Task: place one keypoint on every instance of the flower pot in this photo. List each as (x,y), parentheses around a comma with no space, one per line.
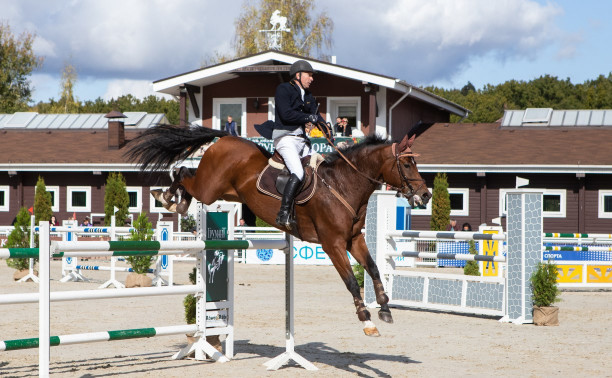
(546,316)
(138,280)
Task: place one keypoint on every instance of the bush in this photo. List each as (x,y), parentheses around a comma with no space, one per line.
(190,301)
(115,195)
(20,238)
(142,231)
(359,273)
(440,203)
(544,285)
(471,267)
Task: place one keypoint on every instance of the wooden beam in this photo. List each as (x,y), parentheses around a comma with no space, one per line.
(191,91)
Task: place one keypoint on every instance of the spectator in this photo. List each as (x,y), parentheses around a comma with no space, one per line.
(338,127)
(230,126)
(53,221)
(347,128)
(452,226)
(86,222)
(466,227)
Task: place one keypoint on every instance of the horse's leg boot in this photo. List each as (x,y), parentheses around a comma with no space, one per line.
(284,214)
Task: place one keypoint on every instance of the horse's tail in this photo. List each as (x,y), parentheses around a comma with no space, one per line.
(160,146)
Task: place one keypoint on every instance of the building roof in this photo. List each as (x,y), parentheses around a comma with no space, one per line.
(489,147)
(547,117)
(274,59)
(35,121)
(444,147)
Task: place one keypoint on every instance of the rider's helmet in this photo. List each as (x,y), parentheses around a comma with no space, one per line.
(300,66)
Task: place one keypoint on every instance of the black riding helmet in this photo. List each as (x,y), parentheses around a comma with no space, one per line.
(300,66)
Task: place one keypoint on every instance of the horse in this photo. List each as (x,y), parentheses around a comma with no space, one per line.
(333,217)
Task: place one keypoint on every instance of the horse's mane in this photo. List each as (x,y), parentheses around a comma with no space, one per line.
(365,144)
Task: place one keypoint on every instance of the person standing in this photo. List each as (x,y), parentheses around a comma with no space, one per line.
(230,126)
(295,110)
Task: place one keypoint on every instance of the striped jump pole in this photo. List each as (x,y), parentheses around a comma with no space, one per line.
(457,235)
(576,236)
(578,249)
(449,256)
(108,268)
(81,338)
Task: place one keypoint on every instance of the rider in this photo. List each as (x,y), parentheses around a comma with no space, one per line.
(295,110)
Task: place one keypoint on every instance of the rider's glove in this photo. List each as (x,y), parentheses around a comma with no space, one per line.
(311,118)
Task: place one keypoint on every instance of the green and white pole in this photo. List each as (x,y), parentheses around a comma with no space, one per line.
(81,338)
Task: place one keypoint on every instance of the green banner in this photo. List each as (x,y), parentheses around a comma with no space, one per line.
(216,259)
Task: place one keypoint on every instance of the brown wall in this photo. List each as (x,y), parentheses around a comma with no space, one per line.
(23,186)
(484,213)
(409,112)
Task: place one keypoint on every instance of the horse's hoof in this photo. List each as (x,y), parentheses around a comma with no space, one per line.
(385,316)
(171,207)
(373,332)
(158,195)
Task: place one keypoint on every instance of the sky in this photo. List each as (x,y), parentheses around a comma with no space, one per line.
(122,46)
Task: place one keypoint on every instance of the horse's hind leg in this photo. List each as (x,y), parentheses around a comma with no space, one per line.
(360,252)
(166,197)
(338,256)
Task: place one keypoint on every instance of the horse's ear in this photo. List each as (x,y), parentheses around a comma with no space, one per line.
(406,143)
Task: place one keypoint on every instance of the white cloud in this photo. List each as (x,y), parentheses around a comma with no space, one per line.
(137,88)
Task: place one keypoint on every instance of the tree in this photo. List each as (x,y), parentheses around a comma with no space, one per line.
(471,268)
(20,238)
(310,34)
(67,103)
(440,206)
(142,231)
(42,202)
(17,61)
(115,195)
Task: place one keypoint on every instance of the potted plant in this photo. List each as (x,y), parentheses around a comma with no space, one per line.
(545,293)
(140,264)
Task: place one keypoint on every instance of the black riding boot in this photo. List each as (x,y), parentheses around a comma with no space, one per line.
(284,214)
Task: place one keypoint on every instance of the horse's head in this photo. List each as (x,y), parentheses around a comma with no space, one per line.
(404,175)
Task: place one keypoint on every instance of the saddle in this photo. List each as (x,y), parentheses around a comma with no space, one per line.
(274,177)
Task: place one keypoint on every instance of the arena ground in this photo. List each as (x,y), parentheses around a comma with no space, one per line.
(419,343)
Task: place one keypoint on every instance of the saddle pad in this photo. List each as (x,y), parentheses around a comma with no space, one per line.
(266,182)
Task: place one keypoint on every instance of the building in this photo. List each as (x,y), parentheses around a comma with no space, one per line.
(244,88)
(567,153)
(74,154)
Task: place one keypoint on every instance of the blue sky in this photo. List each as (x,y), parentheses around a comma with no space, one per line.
(121,47)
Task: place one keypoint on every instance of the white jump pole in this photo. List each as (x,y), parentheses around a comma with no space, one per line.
(44,301)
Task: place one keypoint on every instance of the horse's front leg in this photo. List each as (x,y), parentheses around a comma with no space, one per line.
(337,254)
(360,252)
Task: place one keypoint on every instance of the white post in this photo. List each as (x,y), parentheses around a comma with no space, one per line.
(289,353)
(113,280)
(44,301)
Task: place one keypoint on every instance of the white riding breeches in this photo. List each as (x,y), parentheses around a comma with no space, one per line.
(292,148)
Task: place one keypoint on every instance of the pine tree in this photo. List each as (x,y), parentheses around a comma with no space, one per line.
(20,238)
(115,195)
(471,267)
(440,205)
(42,202)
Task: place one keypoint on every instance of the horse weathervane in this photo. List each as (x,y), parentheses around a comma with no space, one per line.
(274,36)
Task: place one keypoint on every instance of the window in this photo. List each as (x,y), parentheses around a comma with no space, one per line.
(459,201)
(78,198)
(4,198)
(155,206)
(235,107)
(553,202)
(135,194)
(605,203)
(349,107)
(55,197)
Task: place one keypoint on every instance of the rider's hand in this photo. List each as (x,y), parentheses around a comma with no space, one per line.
(312,118)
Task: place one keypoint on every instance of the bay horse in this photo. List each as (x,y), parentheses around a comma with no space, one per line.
(229,170)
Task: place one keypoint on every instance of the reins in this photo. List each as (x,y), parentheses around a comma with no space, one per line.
(405,180)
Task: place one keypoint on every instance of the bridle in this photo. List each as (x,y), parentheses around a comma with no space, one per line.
(406,181)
